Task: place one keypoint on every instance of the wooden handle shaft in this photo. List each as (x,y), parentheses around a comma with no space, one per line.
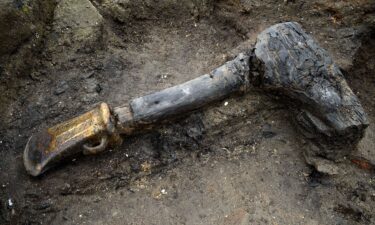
(175,101)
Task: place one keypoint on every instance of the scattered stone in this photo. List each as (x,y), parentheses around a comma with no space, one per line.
(146,167)
(268,134)
(267,131)
(92,86)
(157,194)
(61,88)
(77,25)
(10,203)
(98,88)
(322,165)
(66,190)
(88,75)
(43,205)
(90,97)
(35,76)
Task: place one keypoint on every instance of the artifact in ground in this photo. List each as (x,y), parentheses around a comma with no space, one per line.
(285,61)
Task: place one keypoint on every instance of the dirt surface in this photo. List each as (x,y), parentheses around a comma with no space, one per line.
(236,162)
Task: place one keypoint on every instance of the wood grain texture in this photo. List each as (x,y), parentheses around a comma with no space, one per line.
(175,101)
(285,61)
(296,67)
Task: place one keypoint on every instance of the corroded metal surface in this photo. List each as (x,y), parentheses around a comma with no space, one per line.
(65,139)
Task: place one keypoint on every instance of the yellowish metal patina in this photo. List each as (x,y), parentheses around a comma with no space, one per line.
(96,127)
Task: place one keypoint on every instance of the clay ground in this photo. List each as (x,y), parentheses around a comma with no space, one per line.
(234,163)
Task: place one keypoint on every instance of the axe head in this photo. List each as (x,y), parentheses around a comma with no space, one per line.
(51,145)
(297,68)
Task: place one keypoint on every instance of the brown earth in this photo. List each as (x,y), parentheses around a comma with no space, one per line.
(234,163)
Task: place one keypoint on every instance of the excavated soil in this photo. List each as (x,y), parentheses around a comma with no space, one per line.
(235,162)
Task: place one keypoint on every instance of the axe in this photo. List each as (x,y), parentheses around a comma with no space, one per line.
(285,61)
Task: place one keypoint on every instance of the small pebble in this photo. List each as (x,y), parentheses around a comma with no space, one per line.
(10,203)
(61,88)
(225,103)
